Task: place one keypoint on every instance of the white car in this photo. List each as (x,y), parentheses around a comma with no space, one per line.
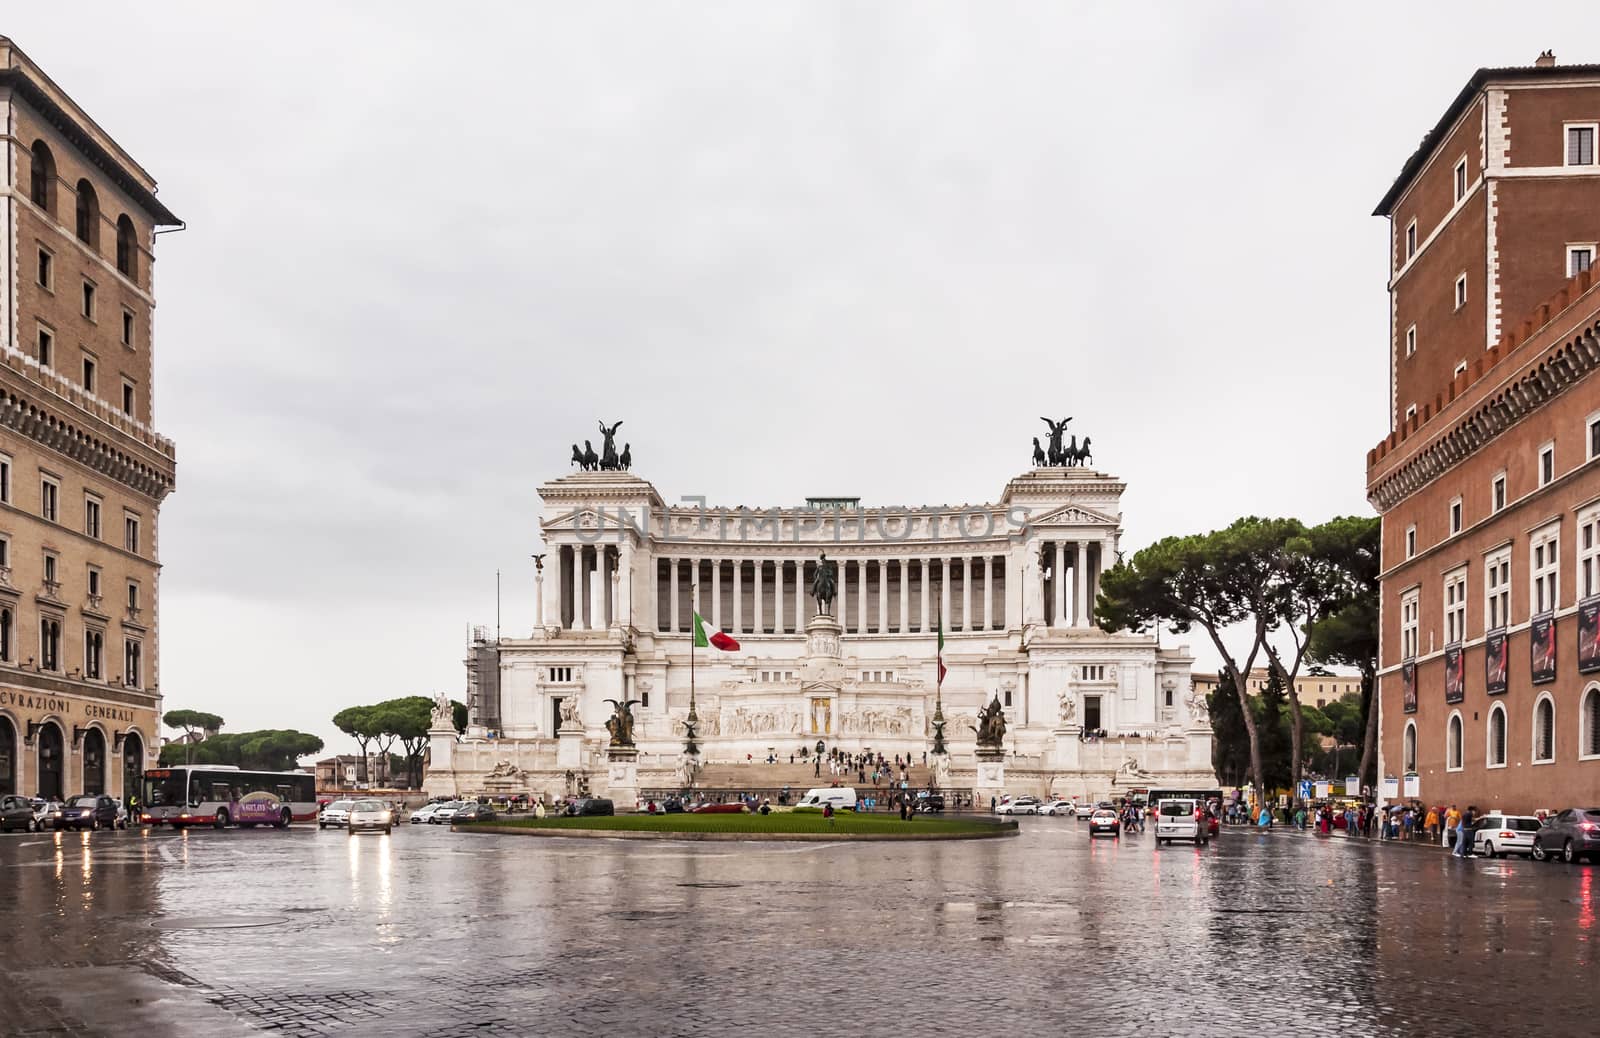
(445,812)
(1056,808)
(1496,835)
(369,814)
(1085,810)
(336,813)
(1176,820)
(424,813)
(1019,806)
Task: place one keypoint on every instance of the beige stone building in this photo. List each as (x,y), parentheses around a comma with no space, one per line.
(82,470)
(1314,690)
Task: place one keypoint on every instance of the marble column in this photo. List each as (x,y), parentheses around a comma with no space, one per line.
(799,595)
(1080,613)
(1059,580)
(988,592)
(694,591)
(966,593)
(597,589)
(944,591)
(738,596)
(884,595)
(716,594)
(622,607)
(755,597)
(905,601)
(777,596)
(672,622)
(864,579)
(922,618)
(580,588)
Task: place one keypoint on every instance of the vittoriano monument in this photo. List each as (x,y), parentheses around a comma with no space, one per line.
(620,724)
(608,459)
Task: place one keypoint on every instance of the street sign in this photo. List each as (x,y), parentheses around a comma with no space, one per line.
(1305,789)
(1352,786)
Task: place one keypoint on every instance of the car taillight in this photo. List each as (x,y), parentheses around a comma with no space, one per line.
(1508,836)
(1590,825)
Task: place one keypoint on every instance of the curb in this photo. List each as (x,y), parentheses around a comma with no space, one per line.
(1000,831)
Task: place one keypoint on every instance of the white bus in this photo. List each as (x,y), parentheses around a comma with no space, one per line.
(219,795)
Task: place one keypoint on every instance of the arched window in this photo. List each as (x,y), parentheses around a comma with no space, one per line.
(88,214)
(1591,722)
(1452,754)
(1411,746)
(1544,730)
(1497,736)
(127,247)
(49,644)
(42,182)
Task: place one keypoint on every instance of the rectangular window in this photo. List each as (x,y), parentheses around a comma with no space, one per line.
(88,373)
(127,328)
(5,478)
(1589,555)
(91,516)
(1580,144)
(127,397)
(1579,259)
(49,498)
(94,642)
(1461,291)
(1497,492)
(1497,591)
(132,664)
(1547,464)
(1408,625)
(130,532)
(47,347)
(51,575)
(1455,516)
(133,596)
(1411,340)
(1461,180)
(88,299)
(46,269)
(1544,548)
(1411,239)
(94,581)
(5,551)
(1455,608)
(1411,541)
(49,644)
(1594,437)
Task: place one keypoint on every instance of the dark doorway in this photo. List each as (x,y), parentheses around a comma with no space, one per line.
(52,758)
(132,765)
(8,757)
(555,714)
(1091,713)
(94,761)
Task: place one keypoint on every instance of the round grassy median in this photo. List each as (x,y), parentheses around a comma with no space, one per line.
(786,825)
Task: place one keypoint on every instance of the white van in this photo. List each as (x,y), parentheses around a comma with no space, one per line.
(843,798)
(1175,820)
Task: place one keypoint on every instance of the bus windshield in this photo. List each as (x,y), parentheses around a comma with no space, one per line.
(166,790)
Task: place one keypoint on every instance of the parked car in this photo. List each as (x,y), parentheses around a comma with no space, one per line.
(335,814)
(1056,808)
(1571,834)
(591,806)
(16,813)
(424,813)
(445,812)
(45,813)
(930,803)
(1084,810)
(1104,821)
(89,811)
(1019,806)
(1495,835)
(370,815)
(471,812)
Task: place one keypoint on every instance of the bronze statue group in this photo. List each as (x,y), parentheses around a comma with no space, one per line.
(1066,455)
(608,460)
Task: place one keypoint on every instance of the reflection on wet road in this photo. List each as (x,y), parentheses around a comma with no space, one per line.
(435,933)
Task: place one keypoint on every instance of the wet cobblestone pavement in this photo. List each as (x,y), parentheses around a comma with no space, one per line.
(429,932)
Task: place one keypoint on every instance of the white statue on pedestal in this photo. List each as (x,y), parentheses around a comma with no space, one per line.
(1069,708)
(569,714)
(443,713)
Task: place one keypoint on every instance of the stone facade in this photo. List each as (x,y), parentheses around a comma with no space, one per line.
(1011,583)
(1489,682)
(82,471)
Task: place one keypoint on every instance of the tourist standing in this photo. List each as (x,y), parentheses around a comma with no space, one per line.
(1452,822)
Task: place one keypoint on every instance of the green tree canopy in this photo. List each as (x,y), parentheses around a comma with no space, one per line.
(264,750)
(192,721)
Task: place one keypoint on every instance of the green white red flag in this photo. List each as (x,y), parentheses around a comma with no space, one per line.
(706,636)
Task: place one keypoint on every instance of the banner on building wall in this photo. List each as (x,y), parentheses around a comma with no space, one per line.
(1589,635)
(1494,663)
(1408,686)
(1413,785)
(1455,674)
(1391,787)
(1542,648)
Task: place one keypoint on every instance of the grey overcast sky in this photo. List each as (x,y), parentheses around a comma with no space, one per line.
(819,248)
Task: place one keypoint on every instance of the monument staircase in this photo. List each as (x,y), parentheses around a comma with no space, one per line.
(760,776)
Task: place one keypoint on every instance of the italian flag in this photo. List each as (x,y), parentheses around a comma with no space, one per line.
(707,636)
(940,656)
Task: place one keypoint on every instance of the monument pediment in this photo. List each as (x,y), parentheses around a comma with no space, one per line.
(580,519)
(1073,515)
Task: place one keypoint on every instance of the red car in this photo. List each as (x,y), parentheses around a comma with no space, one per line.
(720,809)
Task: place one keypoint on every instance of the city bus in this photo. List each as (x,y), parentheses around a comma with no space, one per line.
(219,795)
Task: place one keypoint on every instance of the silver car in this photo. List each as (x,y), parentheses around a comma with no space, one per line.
(371,815)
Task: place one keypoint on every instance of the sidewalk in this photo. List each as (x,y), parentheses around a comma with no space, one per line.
(1310,831)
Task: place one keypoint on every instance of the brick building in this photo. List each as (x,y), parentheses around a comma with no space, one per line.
(82,470)
(1489,482)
